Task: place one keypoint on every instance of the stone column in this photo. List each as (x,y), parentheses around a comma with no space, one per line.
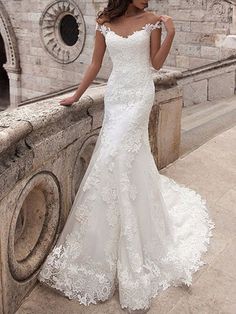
(233,26)
(14,85)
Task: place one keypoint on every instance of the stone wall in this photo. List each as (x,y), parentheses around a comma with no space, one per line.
(40,62)
(201,28)
(46,63)
(45,149)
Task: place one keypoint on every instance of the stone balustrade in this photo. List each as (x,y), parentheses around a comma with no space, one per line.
(45,149)
(210,82)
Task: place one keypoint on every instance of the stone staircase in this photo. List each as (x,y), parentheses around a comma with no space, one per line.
(202,122)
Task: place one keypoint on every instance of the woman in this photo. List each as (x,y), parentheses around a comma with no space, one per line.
(130,227)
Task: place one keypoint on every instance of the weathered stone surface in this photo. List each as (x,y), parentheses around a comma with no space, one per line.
(212,53)
(169,131)
(182,62)
(195,93)
(189,50)
(222,86)
(43,72)
(199,62)
(209,82)
(197,24)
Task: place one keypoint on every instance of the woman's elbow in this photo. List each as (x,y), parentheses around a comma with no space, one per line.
(156,66)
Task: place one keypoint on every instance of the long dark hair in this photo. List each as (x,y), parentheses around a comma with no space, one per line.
(113,9)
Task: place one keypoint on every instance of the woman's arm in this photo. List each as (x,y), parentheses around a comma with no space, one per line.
(92,70)
(159,52)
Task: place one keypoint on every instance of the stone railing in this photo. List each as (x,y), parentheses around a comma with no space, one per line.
(45,149)
(210,82)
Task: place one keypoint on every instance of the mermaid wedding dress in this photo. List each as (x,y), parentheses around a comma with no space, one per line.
(130,228)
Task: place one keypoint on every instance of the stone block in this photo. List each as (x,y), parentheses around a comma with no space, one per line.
(194,4)
(197,15)
(182,62)
(198,62)
(192,38)
(203,27)
(189,50)
(181,14)
(173,3)
(222,28)
(195,93)
(222,86)
(182,26)
(212,53)
(180,37)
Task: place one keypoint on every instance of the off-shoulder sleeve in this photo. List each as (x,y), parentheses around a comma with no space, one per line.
(101,28)
(150,26)
(156,25)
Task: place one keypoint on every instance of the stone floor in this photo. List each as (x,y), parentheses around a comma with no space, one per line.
(210,169)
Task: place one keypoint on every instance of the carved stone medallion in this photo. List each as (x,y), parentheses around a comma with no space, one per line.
(218,8)
(62,30)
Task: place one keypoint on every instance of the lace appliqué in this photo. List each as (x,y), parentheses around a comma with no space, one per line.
(102,28)
(148,27)
(86,283)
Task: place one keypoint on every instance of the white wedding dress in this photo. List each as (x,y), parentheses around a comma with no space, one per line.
(130,227)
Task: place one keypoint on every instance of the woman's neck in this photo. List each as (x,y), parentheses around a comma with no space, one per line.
(132,11)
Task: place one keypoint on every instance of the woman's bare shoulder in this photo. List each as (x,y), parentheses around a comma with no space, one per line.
(153,17)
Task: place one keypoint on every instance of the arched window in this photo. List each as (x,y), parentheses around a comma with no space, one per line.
(4,81)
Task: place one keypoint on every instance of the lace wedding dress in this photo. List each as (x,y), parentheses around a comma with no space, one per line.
(130,228)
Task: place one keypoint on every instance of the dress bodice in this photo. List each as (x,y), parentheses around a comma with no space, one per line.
(129,53)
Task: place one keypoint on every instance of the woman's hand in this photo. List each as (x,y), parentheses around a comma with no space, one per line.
(168,22)
(68,101)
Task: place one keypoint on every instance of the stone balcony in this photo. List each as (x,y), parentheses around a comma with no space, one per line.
(45,149)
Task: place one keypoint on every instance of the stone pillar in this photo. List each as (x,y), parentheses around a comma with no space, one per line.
(165,121)
(14,85)
(233,26)
(169,126)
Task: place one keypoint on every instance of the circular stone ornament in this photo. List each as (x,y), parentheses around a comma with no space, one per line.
(34,225)
(62,30)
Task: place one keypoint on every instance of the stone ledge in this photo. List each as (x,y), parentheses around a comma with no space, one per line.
(45,149)
(18,123)
(214,81)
